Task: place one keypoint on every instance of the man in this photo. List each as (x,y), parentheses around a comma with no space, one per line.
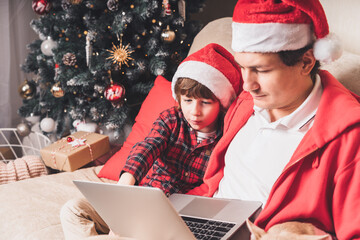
(291,139)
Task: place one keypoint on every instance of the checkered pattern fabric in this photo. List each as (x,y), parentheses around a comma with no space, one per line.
(178,162)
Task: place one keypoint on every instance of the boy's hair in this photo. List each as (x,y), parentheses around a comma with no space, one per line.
(292,57)
(192,88)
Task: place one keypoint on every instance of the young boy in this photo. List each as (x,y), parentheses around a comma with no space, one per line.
(178,147)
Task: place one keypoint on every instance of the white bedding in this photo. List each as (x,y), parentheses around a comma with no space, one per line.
(29,209)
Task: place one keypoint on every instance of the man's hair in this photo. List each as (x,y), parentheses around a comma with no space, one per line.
(192,88)
(292,57)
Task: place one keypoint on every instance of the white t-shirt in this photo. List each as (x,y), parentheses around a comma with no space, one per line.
(260,150)
(200,136)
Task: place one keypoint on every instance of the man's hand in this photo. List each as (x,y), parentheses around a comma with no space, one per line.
(126,179)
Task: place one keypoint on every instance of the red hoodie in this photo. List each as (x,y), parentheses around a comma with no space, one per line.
(321,182)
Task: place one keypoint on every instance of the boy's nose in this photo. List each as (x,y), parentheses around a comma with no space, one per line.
(196,109)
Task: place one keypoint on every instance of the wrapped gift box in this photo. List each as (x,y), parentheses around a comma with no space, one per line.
(75,151)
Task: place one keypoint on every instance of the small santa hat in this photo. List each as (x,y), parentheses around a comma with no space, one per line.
(280,25)
(214,67)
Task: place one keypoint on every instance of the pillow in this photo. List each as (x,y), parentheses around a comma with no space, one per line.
(159,99)
(28,166)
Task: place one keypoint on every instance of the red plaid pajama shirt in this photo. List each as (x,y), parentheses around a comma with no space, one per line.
(171,149)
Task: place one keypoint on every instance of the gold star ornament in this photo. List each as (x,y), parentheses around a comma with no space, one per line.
(120,54)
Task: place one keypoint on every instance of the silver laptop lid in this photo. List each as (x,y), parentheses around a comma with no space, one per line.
(153,219)
(146,213)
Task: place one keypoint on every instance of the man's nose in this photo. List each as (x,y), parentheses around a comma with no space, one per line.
(250,80)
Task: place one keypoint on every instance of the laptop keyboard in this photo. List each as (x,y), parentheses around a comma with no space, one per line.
(207,229)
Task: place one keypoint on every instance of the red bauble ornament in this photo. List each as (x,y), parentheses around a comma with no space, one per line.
(115,93)
(41,6)
(69,139)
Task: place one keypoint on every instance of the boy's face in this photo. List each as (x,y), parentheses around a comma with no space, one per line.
(273,85)
(202,114)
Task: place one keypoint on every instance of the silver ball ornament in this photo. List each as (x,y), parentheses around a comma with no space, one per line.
(23,129)
(47,46)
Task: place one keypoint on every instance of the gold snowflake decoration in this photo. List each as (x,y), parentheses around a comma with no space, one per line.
(120,54)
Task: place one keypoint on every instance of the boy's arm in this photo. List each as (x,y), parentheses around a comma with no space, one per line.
(144,153)
(126,179)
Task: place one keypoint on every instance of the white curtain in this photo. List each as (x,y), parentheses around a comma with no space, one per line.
(15,34)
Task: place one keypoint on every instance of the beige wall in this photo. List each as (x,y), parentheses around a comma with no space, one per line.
(215,9)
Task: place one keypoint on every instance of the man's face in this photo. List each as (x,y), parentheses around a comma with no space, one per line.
(273,85)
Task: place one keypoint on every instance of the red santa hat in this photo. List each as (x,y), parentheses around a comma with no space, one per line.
(280,25)
(214,67)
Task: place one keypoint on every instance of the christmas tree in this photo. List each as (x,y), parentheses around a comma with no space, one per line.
(96,60)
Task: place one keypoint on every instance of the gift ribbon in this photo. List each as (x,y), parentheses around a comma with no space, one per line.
(81,139)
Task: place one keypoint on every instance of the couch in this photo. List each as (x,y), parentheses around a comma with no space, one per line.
(29,209)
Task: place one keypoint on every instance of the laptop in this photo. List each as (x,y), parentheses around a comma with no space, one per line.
(145,213)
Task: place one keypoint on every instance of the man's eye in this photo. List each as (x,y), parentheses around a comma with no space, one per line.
(262,71)
(206,102)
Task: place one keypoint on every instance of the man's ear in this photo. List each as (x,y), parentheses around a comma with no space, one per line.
(255,230)
(308,62)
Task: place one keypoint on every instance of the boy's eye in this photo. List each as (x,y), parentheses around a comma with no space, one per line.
(187,100)
(206,102)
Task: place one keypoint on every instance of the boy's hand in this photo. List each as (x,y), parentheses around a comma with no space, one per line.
(126,179)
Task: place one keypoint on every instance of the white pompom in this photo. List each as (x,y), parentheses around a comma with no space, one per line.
(328,49)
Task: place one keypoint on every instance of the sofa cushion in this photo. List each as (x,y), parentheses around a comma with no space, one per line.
(347,70)
(158,99)
(222,28)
